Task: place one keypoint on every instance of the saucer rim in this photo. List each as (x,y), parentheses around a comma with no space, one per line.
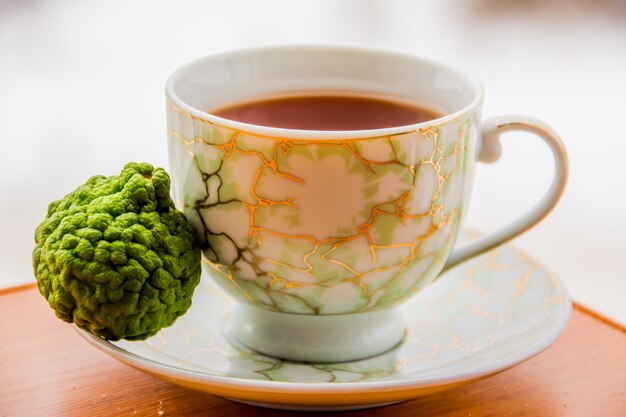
(336,392)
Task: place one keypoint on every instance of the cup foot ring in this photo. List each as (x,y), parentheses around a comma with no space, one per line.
(309,338)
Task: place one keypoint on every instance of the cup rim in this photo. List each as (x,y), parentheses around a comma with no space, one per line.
(282,133)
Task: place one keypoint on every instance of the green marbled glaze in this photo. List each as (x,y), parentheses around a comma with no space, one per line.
(332,227)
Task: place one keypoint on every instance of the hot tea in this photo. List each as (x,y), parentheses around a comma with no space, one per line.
(308,111)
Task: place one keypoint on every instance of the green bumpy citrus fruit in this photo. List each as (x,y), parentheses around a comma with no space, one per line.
(115,257)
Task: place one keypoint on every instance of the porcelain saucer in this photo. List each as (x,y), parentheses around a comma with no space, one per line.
(478,319)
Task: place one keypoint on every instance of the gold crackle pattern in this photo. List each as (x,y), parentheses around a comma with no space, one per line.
(321,267)
(488,310)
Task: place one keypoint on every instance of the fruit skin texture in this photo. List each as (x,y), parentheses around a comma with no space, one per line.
(115,257)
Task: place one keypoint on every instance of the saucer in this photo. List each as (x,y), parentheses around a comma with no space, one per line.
(478,319)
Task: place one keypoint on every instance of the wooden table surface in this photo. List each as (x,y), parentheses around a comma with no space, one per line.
(46,369)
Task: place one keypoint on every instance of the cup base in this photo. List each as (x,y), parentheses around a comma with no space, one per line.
(324,338)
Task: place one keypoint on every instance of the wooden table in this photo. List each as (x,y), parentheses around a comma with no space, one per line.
(46,369)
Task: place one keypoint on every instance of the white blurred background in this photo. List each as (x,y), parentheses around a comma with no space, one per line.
(81,93)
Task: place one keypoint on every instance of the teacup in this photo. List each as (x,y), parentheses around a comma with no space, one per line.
(322,234)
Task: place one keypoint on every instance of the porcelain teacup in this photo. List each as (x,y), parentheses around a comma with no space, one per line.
(321,235)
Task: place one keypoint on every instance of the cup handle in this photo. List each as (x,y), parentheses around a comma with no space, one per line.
(489,152)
